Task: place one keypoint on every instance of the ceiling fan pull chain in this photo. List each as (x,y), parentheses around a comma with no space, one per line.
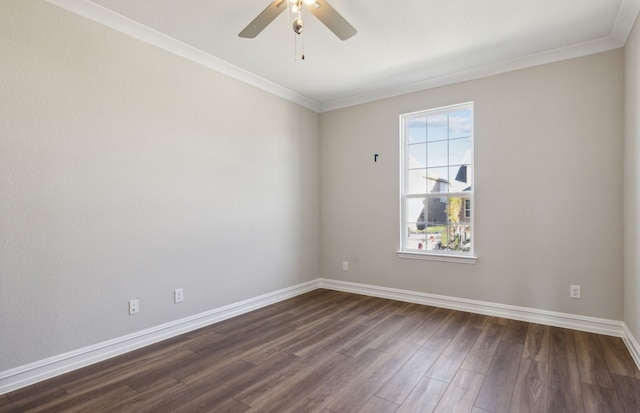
(298,29)
(295,46)
(301,32)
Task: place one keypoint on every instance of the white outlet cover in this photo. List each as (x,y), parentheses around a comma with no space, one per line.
(574,291)
(134,307)
(178,295)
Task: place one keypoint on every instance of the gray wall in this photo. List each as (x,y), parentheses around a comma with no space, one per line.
(127,172)
(548,190)
(632,183)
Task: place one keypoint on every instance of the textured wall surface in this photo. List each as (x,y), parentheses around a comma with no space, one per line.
(127,172)
(548,189)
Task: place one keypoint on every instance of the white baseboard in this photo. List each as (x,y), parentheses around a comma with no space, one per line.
(552,318)
(44,369)
(632,344)
(26,375)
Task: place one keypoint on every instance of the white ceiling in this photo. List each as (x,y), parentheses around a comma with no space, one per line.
(401,46)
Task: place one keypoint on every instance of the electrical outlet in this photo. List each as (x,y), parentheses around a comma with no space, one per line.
(178,295)
(345,265)
(133,307)
(574,291)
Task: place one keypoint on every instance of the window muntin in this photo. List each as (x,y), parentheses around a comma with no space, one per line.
(437,181)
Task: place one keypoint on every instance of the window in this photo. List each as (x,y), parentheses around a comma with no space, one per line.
(437,184)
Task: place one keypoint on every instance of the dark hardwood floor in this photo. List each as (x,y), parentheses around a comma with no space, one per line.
(328,351)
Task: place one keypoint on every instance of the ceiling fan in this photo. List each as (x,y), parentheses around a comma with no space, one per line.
(319,8)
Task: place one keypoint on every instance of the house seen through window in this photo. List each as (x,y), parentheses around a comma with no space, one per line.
(437,181)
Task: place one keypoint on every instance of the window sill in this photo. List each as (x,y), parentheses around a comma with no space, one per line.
(460,259)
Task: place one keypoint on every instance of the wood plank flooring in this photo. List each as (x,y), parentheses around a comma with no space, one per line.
(334,352)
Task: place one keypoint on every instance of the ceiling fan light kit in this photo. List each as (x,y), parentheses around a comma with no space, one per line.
(319,8)
(295,4)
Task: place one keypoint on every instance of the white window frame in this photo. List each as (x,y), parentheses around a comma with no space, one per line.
(467,257)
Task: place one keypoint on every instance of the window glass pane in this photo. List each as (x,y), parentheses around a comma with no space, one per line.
(438,173)
(458,226)
(460,124)
(460,178)
(436,128)
(416,224)
(417,156)
(436,237)
(417,130)
(437,154)
(460,151)
(436,211)
(415,217)
(416,181)
(437,180)
(457,238)
(415,241)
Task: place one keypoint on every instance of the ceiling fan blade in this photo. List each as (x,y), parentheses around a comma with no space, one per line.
(332,19)
(267,16)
